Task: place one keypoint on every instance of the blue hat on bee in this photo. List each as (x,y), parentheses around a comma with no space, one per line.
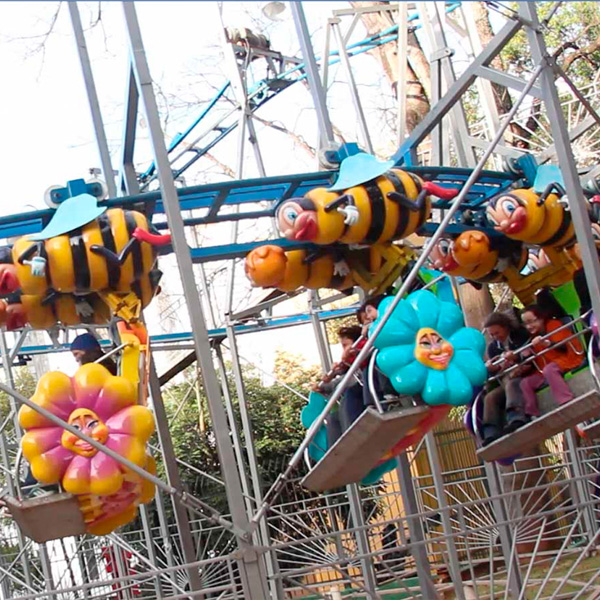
(72,213)
(358,169)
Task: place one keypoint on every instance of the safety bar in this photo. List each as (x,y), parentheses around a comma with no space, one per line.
(534,356)
(499,359)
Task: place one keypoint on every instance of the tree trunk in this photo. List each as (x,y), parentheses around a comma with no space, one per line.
(417,101)
(516,135)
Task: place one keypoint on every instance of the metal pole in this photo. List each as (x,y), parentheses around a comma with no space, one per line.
(90,88)
(577,202)
(402,84)
(438,482)
(415,527)
(511,559)
(581,486)
(252,574)
(145,516)
(271,557)
(173,479)
(441,54)
(7,364)
(166,536)
(312,74)
(235,433)
(356,511)
(358,109)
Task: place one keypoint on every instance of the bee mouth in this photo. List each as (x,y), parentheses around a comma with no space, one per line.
(305,226)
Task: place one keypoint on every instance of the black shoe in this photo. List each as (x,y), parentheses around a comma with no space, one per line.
(491,433)
(515,422)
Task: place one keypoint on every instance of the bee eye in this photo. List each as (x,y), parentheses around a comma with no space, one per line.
(291,214)
(444,247)
(509,206)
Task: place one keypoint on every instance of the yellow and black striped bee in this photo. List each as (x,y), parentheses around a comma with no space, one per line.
(44,312)
(341,269)
(475,257)
(389,207)
(529,217)
(114,251)
(271,266)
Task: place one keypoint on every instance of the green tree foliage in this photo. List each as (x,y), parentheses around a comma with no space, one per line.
(573,34)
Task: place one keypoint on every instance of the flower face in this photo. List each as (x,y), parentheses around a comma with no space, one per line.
(88,422)
(425,350)
(432,350)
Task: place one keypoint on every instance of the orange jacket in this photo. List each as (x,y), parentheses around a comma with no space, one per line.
(566,360)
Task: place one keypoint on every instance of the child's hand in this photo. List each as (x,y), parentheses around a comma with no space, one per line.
(538,340)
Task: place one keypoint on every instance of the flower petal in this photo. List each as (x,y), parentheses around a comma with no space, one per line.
(105,475)
(77,477)
(88,382)
(450,319)
(128,447)
(116,394)
(468,338)
(133,420)
(461,390)
(409,379)
(392,359)
(472,365)
(54,392)
(436,389)
(427,307)
(50,466)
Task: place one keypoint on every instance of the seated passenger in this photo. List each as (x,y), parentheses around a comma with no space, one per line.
(86,349)
(367,314)
(351,404)
(503,405)
(554,363)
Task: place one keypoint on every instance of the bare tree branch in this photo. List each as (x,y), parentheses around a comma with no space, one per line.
(298,139)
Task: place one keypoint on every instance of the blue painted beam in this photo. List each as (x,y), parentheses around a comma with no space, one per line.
(259,324)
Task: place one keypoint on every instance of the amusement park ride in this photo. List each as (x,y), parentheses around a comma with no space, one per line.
(393,227)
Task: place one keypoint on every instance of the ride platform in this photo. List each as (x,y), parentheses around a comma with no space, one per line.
(362,447)
(583,407)
(47,518)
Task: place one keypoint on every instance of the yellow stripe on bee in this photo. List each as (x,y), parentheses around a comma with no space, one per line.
(39,316)
(29,284)
(357,233)
(60,263)
(392,210)
(121,236)
(97,264)
(411,193)
(320,273)
(330,224)
(66,311)
(296,272)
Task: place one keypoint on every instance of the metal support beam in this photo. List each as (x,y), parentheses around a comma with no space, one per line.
(358,109)
(415,527)
(251,571)
(172,474)
(438,482)
(511,559)
(577,202)
(356,510)
(149,539)
(455,91)
(92,95)
(128,179)
(312,73)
